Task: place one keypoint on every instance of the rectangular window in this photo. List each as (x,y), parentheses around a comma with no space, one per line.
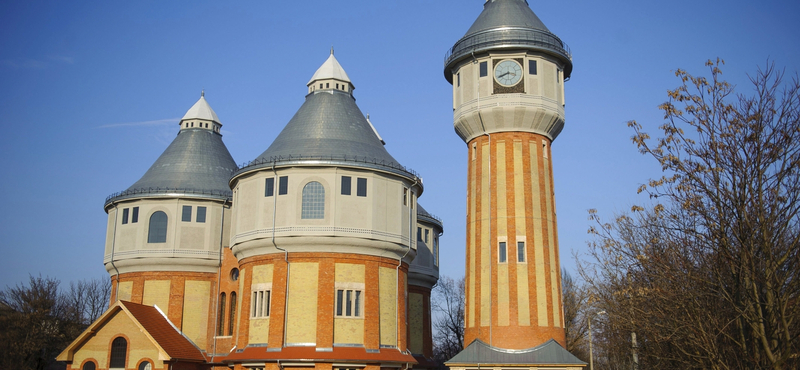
(201,214)
(419,234)
(405,196)
(348,303)
(474,151)
(544,149)
(532,67)
(458,78)
(484,69)
(501,253)
(436,251)
(124,216)
(260,304)
(346,185)
(283,185)
(187,214)
(269,187)
(135,215)
(361,187)
(427,232)
(558,77)
(520,251)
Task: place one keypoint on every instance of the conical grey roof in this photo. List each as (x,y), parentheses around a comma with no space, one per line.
(196,163)
(547,353)
(425,216)
(506,13)
(507,24)
(328,125)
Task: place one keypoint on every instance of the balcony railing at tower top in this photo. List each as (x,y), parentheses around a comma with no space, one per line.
(508,37)
(358,161)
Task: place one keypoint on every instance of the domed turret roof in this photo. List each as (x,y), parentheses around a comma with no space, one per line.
(330,69)
(507,24)
(329,128)
(201,110)
(425,216)
(506,13)
(195,164)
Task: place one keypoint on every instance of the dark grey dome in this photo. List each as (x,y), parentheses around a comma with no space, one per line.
(329,127)
(506,13)
(507,24)
(196,163)
(425,216)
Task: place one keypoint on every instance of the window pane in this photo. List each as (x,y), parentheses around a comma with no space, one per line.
(345,185)
(201,214)
(266,302)
(520,251)
(484,69)
(502,252)
(532,67)
(362,187)
(124,216)
(339,298)
(89,366)
(157,232)
(232,314)
(119,350)
(349,309)
(269,187)
(254,309)
(427,232)
(221,316)
(358,304)
(283,185)
(313,206)
(135,216)
(186,216)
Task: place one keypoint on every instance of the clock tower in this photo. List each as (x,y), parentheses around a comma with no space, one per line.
(508,75)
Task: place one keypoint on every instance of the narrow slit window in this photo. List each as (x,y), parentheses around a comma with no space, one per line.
(124,216)
(405,196)
(361,187)
(520,251)
(283,185)
(419,234)
(484,69)
(458,79)
(186,216)
(201,214)
(501,252)
(135,215)
(232,314)
(269,187)
(427,233)
(221,316)
(346,185)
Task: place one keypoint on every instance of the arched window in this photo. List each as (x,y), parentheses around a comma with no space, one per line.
(145,365)
(89,365)
(158,228)
(232,314)
(119,352)
(221,317)
(313,201)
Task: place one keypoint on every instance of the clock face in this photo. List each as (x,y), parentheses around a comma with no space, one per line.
(508,73)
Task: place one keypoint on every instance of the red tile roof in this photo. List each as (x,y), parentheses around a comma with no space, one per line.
(170,339)
(339,354)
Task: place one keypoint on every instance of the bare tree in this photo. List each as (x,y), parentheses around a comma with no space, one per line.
(575,298)
(707,275)
(448,324)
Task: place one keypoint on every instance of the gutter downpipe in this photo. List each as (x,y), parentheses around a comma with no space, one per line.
(113,244)
(491,244)
(400,263)
(219,274)
(285,255)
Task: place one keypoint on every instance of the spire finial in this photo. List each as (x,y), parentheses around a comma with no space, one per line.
(331,49)
(203,93)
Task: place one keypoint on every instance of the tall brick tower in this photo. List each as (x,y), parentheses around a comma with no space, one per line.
(508,74)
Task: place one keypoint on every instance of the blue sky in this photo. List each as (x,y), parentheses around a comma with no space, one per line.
(92,93)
